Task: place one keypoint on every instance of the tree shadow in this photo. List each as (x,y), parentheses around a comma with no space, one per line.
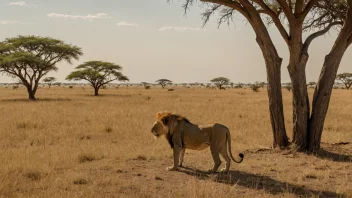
(37,100)
(336,157)
(258,182)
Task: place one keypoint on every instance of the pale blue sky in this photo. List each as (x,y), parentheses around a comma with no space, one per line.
(154,40)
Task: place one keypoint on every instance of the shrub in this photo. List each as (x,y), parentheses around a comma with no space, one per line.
(255,87)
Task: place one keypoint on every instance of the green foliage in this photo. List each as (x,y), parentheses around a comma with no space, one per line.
(29,58)
(97,73)
(49,79)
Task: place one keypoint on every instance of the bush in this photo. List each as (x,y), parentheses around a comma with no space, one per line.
(147,87)
(255,87)
(171,90)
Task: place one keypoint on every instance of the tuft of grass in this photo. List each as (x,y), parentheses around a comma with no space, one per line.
(80,181)
(108,129)
(140,157)
(33,175)
(26,125)
(86,157)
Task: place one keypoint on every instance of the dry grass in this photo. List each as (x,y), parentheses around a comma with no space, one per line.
(72,144)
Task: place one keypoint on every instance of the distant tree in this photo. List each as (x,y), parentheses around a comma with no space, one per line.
(29,58)
(145,85)
(49,80)
(255,87)
(346,79)
(311,84)
(232,85)
(288,86)
(239,85)
(98,74)
(163,82)
(57,84)
(220,82)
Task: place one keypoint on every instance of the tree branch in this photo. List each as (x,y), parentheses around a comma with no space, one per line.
(286,8)
(308,7)
(315,35)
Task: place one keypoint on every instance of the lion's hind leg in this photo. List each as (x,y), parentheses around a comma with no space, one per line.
(215,154)
(226,157)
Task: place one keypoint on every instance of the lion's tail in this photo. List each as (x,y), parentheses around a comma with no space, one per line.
(228,137)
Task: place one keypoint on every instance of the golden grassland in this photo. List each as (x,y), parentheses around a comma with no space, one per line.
(72,144)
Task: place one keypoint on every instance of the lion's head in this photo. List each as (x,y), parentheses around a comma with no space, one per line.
(165,124)
(158,129)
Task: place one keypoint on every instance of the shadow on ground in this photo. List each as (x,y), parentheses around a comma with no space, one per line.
(38,100)
(258,182)
(336,157)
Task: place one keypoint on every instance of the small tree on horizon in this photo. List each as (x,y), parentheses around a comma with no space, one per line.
(98,74)
(29,58)
(163,82)
(220,82)
(49,80)
(346,79)
(312,84)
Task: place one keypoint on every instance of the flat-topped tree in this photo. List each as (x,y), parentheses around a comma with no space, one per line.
(220,82)
(49,80)
(163,82)
(346,79)
(98,74)
(312,84)
(29,58)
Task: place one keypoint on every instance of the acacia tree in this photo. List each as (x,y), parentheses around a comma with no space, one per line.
(49,80)
(98,74)
(163,82)
(346,79)
(292,18)
(220,82)
(311,84)
(29,58)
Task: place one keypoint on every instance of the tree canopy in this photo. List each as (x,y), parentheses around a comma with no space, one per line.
(346,79)
(29,58)
(163,82)
(220,82)
(49,80)
(97,73)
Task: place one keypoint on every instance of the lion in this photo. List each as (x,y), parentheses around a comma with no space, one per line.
(182,134)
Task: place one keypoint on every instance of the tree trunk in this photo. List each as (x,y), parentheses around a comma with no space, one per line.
(300,100)
(31,93)
(96,91)
(322,93)
(273,68)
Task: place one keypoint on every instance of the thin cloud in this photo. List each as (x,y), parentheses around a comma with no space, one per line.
(7,22)
(127,24)
(181,29)
(18,3)
(80,17)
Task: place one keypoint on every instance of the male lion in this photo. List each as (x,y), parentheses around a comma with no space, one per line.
(182,134)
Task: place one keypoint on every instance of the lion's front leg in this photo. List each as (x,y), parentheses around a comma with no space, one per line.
(182,155)
(177,151)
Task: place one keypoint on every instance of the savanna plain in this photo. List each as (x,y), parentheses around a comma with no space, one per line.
(72,144)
